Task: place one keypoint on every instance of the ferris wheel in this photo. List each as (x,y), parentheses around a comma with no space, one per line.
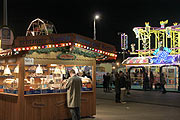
(40,27)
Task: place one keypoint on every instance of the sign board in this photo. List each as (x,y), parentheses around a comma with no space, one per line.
(29,61)
(124,41)
(6,36)
(66,57)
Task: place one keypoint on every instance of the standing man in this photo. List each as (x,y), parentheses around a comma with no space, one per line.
(117,88)
(73,87)
(163,82)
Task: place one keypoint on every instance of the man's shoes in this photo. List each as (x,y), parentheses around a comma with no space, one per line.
(128,93)
(118,102)
(123,102)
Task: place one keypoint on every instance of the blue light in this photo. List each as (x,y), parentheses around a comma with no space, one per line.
(162,56)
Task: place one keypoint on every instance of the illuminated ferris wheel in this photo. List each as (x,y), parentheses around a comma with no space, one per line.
(40,27)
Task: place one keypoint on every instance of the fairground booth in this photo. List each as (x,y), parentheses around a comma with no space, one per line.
(158,52)
(33,71)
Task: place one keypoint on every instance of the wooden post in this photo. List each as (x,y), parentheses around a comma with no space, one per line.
(94,86)
(21,75)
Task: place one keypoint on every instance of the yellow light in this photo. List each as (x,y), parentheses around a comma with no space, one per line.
(117,63)
(35,47)
(113,67)
(53,65)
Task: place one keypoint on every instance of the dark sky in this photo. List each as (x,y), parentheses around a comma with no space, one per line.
(77,15)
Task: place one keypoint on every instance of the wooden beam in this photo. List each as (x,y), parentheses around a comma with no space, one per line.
(21,75)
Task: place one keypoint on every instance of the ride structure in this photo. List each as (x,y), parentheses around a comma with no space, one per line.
(151,38)
(158,52)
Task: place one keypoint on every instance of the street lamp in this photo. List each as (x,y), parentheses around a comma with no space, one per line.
(95,18)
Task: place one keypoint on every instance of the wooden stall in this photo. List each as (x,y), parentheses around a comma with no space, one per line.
(25,93)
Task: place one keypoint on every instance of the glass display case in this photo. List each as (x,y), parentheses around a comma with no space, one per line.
(42,79)
(9,78)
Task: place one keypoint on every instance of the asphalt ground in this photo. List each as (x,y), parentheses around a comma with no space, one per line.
(140,105)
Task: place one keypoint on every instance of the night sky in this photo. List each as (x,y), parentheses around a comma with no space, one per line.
(76,16)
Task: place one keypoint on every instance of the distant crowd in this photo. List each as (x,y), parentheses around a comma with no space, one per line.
(122,83)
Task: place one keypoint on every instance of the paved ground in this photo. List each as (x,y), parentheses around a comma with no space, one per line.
(141,105)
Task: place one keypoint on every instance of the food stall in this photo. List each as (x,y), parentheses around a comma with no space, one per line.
(33,72)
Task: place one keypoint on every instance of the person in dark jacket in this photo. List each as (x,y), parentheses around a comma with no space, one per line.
(104,83)
(108,82)
(128,83)
(117,88)
(146,81)
(163,82)
(151,80)
(122,86)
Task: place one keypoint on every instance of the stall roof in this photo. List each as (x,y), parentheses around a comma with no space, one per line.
(62,40)
(25,41)
(136,61)
(80,44)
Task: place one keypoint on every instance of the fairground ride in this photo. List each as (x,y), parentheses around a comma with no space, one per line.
(40,27)
(152,38)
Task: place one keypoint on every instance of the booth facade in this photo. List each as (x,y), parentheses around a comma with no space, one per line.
(137,66)
(34,71)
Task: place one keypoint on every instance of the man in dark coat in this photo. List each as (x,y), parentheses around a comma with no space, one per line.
(117,88)
(122,86)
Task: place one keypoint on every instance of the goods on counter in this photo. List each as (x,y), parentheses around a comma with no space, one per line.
(86,82)
(8,81)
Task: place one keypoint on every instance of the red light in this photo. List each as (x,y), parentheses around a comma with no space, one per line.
(95,49)
(69,43)
(27,48)
(42,46)
(56,45)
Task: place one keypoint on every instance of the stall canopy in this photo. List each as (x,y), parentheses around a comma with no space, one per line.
(69,42)
(152,60)
(136,61)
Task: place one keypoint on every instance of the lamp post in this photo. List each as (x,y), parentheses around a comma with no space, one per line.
(95,18)
(4,12)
